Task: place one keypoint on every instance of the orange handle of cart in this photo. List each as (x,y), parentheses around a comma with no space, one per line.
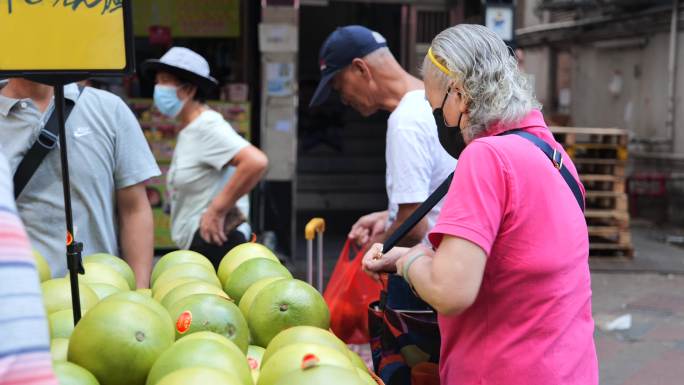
(316,225)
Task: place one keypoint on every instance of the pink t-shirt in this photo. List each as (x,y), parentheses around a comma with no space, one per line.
(531,323)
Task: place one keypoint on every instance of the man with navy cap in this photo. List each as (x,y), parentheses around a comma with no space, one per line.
(356,63)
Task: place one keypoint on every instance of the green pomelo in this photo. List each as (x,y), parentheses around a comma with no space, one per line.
(249,273)
(366,377)
(284,304)
(188,289)
(142,299)
(115,263)
(104,290)
(42,266)
(290,358)
(202,353)
(146,292)
(57,295)
(187,270)
(207,335)
(61,323)
(246,301)
(160,291)
(304,334)
(178,257)
(68,373)
(209,312)
(255,355)
(59,348)
(119,341)
(96,272)
(239,254)
(318,375)
(357,360)
(207,376)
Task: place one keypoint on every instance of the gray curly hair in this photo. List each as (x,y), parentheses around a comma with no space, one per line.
(481,64)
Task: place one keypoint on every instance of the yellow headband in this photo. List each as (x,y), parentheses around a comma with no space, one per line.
(439,65)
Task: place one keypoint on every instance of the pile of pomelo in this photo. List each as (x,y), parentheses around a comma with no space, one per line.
(250,323)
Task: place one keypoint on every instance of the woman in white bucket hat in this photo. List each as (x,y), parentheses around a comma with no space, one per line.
(213,168)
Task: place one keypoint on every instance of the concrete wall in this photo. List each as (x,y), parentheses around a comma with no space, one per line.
(536,64)
(640,104)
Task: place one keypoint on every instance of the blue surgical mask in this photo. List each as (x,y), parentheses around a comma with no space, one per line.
(166,100)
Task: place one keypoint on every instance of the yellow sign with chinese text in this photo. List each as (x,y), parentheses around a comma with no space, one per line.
(63,35)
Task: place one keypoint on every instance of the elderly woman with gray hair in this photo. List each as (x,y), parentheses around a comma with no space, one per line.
(509,275)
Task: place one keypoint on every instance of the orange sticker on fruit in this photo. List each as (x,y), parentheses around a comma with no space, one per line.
(184,321)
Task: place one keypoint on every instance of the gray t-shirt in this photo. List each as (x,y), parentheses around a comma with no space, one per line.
(199,170)
(107,151)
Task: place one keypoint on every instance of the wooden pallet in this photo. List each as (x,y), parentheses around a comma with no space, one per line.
(598,166)
(607,200)
(599,182)
(600,156)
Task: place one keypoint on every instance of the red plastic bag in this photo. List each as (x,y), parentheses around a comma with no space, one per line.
(348,295)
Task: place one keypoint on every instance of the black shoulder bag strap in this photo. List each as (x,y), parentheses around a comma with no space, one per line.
(47,140)
(557,160)
(417,215)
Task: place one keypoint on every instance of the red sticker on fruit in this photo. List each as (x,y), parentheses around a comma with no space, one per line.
(183,322)
(253,364)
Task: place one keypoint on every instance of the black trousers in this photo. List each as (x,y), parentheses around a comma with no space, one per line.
(213,252)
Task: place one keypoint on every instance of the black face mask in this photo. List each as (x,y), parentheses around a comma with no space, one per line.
(450,137)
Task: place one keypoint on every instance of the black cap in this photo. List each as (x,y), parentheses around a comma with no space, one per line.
(340,48)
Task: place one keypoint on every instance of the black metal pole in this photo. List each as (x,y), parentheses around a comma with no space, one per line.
(73,248)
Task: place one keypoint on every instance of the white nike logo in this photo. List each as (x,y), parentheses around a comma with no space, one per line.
(82,131)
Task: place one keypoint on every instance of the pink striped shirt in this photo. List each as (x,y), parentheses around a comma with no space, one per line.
(24,337)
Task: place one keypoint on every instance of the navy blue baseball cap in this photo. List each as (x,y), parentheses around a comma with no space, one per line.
(340,48)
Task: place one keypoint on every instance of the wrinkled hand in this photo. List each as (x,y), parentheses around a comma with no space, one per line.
(375,262)
(368,227)
(212,226)
(415,250)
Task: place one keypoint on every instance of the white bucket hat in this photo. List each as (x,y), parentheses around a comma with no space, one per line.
(184,63)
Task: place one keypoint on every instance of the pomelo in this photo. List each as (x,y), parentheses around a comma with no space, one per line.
(142,299)
(96,272)
(304,334)
(187,270)
(284,304)
(188,289)
(250,272)
(42,266)
(255,355)
(200,312)
(201,353)
(178,257)
(198,376)
(145,291)
(207,335)
(119,341)
(251,293)
(358,362)
(115,263)
(61,323)
(242,253)
(57,295)
(320,374)
(68,373)
(159,291)
(290,358)
(59,348)
(104,290)
(366,377)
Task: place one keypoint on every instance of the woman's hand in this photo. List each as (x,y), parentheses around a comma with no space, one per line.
(212,228)
(416,250)
(375,262)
